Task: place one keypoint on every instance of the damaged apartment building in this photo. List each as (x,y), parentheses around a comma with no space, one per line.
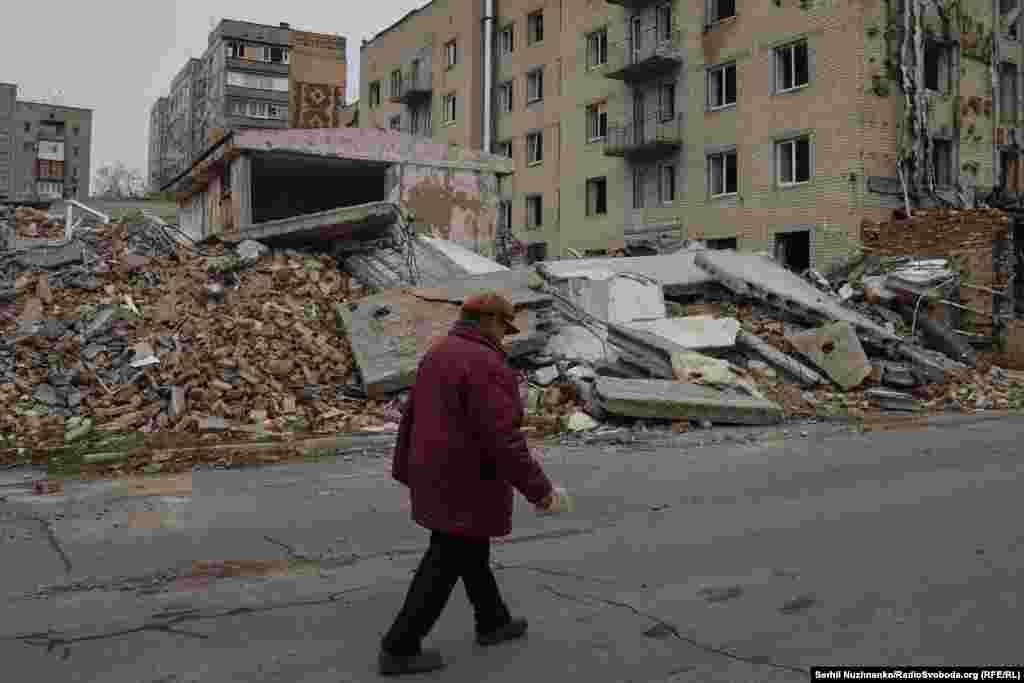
(249,76)
(340,189)
(768,125)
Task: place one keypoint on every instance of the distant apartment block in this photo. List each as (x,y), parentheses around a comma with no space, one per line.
(44,149)
(762,125)
(250,76)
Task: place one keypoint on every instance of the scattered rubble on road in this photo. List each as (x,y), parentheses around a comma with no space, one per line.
(131,328)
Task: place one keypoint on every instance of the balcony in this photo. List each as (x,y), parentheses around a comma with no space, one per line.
(416,86)
(649,55)
(649,139)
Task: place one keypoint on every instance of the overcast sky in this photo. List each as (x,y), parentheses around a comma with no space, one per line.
(117,57)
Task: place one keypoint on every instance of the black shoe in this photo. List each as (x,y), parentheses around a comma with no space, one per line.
(397,665)
(516,628)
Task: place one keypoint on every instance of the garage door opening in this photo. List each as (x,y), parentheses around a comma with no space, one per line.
(793,250)
(285,186)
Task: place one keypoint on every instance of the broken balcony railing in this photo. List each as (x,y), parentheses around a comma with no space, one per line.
(648,53)
(416,85)
(648,138)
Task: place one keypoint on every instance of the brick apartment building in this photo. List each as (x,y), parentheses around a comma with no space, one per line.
(250,76)
(45,149)
(764,124)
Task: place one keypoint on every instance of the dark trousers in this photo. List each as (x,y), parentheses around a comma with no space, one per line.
(449,558)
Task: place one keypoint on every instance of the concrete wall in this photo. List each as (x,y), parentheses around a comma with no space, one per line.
(77,146)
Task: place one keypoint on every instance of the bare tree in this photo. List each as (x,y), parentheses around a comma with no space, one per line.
(117,181)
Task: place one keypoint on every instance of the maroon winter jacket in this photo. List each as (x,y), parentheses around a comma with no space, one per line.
(459,447)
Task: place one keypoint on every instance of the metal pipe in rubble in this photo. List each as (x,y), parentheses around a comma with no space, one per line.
(488,26)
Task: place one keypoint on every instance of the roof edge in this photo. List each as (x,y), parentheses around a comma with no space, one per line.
(395,25)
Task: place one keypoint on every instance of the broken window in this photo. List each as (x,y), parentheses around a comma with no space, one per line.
(1008,93)
(505,215)
(639,178)
(396,82)
(506,40)
(722,243)
(451,50)
(937,59)
(503,148)
(793,250)
(535,27)
(792,66)
(504,94)
(720,9)
(722,86)
(450,108)
(375,94)
(535,85)
(794,159)
(664,22)
(597,48)
(667,185)
(75,129)
(395,123)
(537,251)
(597,121)
(235,49)
(76,150)
(535,147)
(597,196)
(722,174)
(667,101)
(942,160)
(27,126)
(534,211)
(1010,12)
(1008,168)
(277,54)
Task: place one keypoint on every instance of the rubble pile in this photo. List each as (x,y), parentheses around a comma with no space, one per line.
(154,335)
(32,223)
(129,329)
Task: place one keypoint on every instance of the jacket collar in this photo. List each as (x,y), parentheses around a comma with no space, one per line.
(473,333)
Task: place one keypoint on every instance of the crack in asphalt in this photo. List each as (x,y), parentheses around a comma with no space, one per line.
(673,630)
(51,537)
(293,554)
(164,622)
(553,572)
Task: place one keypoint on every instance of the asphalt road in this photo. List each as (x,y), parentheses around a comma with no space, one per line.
(732,562)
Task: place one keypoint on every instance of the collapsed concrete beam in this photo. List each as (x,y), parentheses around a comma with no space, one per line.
(670,400)
(802,373)
(644,350)
(678,273)
(345,222)
(760,278)
(698,332)
(939,337)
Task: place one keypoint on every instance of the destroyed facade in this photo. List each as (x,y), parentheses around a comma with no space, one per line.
(757,125)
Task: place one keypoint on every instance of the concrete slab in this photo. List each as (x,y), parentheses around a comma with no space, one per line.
(837,351)
(613,297)
(513,284)
(346,222)
(470,261)
(677,400)
(576,342)
(388,267)
(390,333)
(51,255)
(678,273)
(645,350)
(697,332)
(892,400)
(696,368)
(764,279)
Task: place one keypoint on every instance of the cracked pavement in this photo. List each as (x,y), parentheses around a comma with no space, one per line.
(738,561)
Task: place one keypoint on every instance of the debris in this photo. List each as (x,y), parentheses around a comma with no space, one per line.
(837,351)
(673,400)
(942,338)
(803,374)
(546,375)
(47,487)
(612,297)
(898,375)
(892,400)
(579,421)
(251,251)
(689,366)
(695,332)
(677,273)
